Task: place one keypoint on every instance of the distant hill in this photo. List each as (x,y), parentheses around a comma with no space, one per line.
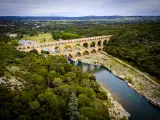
(74,18)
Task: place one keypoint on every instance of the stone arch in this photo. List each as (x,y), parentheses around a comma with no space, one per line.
(70,56)
(78,54)
(67,47)
(85,45)
(57,49)
(93,44)
(28,47)
(93,51)
(34,51)
(77,46)
(45,50)
(105,42)
(99,43)
(99,49)
(85,53)
(53,50)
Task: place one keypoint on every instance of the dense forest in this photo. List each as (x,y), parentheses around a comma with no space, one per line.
(36,87)
(137,43)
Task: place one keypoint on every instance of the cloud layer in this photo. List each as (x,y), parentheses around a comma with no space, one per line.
(79,7)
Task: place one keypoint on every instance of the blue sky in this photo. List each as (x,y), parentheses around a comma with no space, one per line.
(79,7)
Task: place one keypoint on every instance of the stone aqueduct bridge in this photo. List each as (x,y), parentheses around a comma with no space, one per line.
(76,46)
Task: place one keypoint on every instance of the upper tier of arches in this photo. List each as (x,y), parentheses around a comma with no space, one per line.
(65,42)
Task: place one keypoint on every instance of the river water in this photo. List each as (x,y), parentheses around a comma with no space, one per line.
(135,104)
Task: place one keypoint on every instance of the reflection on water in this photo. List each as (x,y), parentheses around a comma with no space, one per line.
(135,104)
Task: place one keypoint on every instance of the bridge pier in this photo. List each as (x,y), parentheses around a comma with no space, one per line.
(39,50)
(89,46)
(61,50)
(50,51)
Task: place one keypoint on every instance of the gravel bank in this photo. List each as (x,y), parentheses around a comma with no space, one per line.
(116,111)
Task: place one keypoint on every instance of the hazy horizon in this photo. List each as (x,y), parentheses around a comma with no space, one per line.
(89,16)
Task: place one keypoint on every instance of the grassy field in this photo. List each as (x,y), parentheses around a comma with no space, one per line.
(45,37)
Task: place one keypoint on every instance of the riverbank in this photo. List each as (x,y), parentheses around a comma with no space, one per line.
(144,86)
(116,111)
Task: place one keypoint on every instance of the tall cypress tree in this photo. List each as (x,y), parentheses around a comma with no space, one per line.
(73,107)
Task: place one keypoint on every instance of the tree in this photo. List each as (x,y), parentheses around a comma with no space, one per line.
(85,83)
(43,72)
(4,38)
(92,77)
(83,101)
(102,95)
(70,76)
(24,117)
(14,42)
(37,79)
(85,75)
(34,105)
(52,74)
(57,82)
(73,107)
(93,114)
(89,92)
(50,103)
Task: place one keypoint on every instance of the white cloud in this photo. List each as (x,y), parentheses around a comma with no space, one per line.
(79,7)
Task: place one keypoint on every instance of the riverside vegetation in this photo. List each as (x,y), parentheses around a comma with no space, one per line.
(48,88)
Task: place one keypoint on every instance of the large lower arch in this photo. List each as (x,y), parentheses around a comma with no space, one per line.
(85,53)
(93,51)
(57,49)
(45,51)
(99,49)
(53,50)
(78,54)
(70,56)
(34,51)
(105,42)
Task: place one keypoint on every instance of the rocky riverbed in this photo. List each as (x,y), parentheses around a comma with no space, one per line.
(116,111)
(142,84)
